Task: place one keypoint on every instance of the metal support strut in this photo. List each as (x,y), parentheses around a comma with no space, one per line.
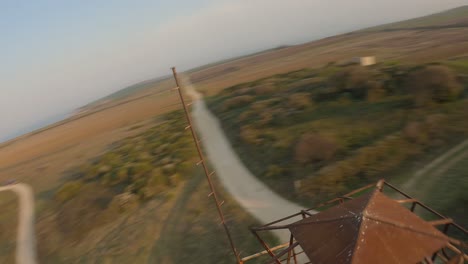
(205,168)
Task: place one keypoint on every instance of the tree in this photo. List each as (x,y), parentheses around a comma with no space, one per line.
(313,147)
(355,80)
(433,84)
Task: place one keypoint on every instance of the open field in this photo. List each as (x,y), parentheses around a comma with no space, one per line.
(457,17)
(408,45)
(441,180)
(8,227)
(314,134)
(78,131)
(404,46)
(50,157)
(189,238)
(90,226)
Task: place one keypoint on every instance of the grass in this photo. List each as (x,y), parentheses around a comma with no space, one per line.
(460,65)
(8,226)
(99,129)
(169,221)
(447,194)
(370,135)
(192,233)
(456,16)
(442,188)
(184,229)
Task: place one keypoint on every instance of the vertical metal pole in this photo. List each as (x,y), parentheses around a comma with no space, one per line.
(265,246)
(205,168)
(294,256)
(289,252)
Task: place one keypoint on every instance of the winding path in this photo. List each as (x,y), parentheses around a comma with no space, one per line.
(25,241)
(425,178)
(245,188)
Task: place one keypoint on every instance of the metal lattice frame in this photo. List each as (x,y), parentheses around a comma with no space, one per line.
(455,251)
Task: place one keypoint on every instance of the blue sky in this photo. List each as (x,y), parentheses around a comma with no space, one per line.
(56,56)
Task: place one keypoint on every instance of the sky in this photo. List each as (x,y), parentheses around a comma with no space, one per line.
(56,55)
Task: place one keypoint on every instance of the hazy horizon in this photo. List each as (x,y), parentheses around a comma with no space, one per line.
(58,57)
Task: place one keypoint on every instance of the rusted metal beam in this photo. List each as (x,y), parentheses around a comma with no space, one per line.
(424,206)
(295,255)
(264,252)
(282,219)
(397,190)
(306,213)
(270,252)
(205,167)
(406,201)
(286,250)
(441,222)
(458,251)
(291,239)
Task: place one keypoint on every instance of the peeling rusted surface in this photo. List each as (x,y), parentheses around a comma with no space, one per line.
(372,228)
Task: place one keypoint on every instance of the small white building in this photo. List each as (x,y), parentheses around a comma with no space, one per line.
(365,61)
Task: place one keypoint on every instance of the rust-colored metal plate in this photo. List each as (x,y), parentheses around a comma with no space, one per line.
(369,229)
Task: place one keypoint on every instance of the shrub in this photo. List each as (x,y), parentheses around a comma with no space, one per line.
(169,168)
(375,94)
(355,80)
(245,115)
(139,169)
(313,147)
(242,91)
(68,191)
(265,118)
(263,89)
(299,101)
(260,106)
(433,124)
(123,202)
(366,164)
(249,134)
(237,102)
(158,178)
(156,184)
(79,216)
(433,83)
(274,171)
(416,132)
(175,179)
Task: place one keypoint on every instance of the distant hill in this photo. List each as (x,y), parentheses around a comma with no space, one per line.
(125,92)
(457,17)
(274,57)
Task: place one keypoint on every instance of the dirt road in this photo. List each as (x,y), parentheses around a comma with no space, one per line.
(25,241)
(429,175)
(250,193)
